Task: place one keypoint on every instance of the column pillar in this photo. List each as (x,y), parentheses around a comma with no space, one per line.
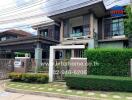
(61,31)
(38,56)
(92,32)
(51,64)
(38,32)
(91,25)
(72,53)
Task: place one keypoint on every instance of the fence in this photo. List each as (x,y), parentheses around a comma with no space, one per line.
(61,67)
(6,66)
(43,68)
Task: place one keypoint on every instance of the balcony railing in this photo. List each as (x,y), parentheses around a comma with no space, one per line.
(86,32)
(76,34)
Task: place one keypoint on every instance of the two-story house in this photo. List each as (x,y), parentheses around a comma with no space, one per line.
(14,42)
(8,36)
(51,31)
(89,23)
(13,34)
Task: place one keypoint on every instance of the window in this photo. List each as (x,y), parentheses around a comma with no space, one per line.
(77,31)
(79,53)
(117,27)
(3,38)
(114,27)
(57,33)
(44,32)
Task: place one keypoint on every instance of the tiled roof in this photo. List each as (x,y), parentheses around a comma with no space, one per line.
(17,32)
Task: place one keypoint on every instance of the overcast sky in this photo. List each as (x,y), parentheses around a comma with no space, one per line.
(16,4)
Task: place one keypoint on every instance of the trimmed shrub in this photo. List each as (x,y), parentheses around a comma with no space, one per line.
(109,62)
(29,78)
(15,76)
(105,83)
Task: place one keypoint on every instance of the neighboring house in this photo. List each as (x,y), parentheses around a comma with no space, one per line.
(17,41)
(88,23)
(49,30)
(13,34)
(6,37)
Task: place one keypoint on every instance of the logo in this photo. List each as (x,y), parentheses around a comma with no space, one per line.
(117,11)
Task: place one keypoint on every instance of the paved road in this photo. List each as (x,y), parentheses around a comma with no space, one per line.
(17,96)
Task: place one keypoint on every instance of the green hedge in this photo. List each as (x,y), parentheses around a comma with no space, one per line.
(109,62)
(105,83)
(29,78)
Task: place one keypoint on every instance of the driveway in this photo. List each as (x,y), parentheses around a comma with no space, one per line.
(17,96)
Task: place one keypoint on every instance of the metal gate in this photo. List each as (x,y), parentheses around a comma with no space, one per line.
(60,68)
(6,66)
(69,66)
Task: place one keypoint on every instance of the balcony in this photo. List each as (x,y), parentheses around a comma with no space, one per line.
(78,32)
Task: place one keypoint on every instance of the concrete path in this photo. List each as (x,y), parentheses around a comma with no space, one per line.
(17,96)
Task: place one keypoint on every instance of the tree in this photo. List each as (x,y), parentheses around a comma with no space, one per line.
(128,22)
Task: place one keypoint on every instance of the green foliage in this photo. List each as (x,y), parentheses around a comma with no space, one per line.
(105,83)
(15,76)
(128,21)
(29,78)
(109,62)
(43,68)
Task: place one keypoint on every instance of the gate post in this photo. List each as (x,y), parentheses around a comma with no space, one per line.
(38,56)
(131,67)
(51,64)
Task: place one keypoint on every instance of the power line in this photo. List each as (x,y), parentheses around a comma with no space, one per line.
(23,18)
(29,17)
(62,1)
(23,8)
(9,9)
(24,26)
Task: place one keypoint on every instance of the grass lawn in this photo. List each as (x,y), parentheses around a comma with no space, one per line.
(61,88)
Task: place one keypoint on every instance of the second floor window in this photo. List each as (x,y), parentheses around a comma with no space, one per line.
(3,38)
(118,27)
(44,32)
(114,27)
(78,29)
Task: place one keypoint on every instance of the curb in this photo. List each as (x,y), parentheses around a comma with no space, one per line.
(49,94)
